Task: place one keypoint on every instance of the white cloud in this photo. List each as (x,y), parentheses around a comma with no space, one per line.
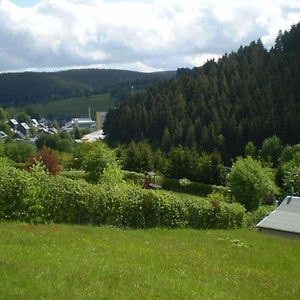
(141,35)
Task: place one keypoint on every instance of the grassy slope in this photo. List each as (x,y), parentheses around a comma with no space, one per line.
(76,262)
(73,107)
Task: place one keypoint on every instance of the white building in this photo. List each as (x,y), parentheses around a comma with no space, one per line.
(81,123)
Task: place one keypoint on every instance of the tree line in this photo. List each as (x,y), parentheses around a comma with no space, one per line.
(29,87)
(248,95)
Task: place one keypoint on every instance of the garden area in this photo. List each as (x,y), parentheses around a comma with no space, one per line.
(79,225)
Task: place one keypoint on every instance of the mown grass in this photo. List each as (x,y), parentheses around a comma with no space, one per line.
(185,196)
(72,107)
(77,262)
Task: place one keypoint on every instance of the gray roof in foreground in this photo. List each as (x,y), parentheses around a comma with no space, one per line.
(285,218)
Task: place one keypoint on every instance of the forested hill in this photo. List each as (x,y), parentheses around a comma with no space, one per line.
(22,88)
(247,95)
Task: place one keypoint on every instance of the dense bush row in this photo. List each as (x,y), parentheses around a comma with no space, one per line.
(195,188)
(38,197)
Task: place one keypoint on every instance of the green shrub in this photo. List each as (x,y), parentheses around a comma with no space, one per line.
(133,176)
(214,214)
(73,174)
(218,196)
(251,183)
(163,209)
(200,213)
(37,196)
(120,205)
(195,188)
(19,195)
(97,159)
(221,189)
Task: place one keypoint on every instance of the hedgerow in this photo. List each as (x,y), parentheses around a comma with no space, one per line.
(39,197)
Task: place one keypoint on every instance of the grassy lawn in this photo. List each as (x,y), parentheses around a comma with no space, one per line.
(186,196)
(77,262)
(73,107)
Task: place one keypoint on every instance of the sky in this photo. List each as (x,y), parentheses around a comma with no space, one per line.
(141,35)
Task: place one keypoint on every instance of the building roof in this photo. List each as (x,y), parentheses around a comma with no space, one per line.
(35,122)
(25,126)
(13,121)
(83,121)
(285,218)
(93,136)
(19,136)
(3,135)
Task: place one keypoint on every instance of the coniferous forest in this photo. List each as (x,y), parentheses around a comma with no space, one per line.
(247,95)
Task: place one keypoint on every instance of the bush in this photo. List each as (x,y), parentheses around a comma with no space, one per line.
(163,209)
(291,181)
(38,197)
(73,174)
(134,177)
(66,200)
(97,159)
(19,195)
(250,183)
(195,188)
(218,196)
(120,205)
(214,214)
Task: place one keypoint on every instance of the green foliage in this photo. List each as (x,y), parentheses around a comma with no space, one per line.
(112,174)
(271,149)
(163,209)
(19,151)
(189,163)
(218,196)
(71,107)
(97,159)
(250,183)
(73,174)
(19,195)
(23,117)
(195,188)
(5,128)
(3,115)
(134,177)
(2,148)
(184,182)
(291,181)
(221,105)
(215,214)
(138,157)
(61,142)
(38,197)
(250,150)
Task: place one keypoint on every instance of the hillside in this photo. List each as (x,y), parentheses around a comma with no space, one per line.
(71,107)
(28,87)
(247,95)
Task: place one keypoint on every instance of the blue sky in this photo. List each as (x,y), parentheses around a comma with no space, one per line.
(144,35)
(25,3)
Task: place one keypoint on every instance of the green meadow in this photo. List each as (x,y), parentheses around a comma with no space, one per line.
(72,107)
(82,262)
